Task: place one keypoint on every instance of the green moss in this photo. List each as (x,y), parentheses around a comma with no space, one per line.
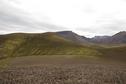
(10,44)
(4,63)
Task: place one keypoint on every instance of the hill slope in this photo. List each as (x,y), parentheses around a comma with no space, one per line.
(24,44)
(73,37)
(42,44)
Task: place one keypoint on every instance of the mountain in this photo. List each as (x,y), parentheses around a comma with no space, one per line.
(119,38)
(100,39)
(73,37)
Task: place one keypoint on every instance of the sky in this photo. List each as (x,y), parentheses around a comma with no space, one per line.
(85,17)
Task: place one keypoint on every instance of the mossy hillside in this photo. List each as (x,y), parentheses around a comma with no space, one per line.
(11,42)
(51,44)
(20,44)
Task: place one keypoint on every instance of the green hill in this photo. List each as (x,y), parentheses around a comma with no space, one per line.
(52,44)
(21,44)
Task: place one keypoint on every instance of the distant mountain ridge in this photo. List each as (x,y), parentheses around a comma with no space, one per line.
(118,38)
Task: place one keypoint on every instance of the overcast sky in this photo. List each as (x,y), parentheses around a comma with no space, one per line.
(85,17)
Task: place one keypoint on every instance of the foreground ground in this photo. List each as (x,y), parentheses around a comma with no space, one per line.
(37,70)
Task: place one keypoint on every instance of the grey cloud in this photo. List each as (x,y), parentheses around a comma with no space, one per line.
(89,10)
(13,19)
(106,29)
